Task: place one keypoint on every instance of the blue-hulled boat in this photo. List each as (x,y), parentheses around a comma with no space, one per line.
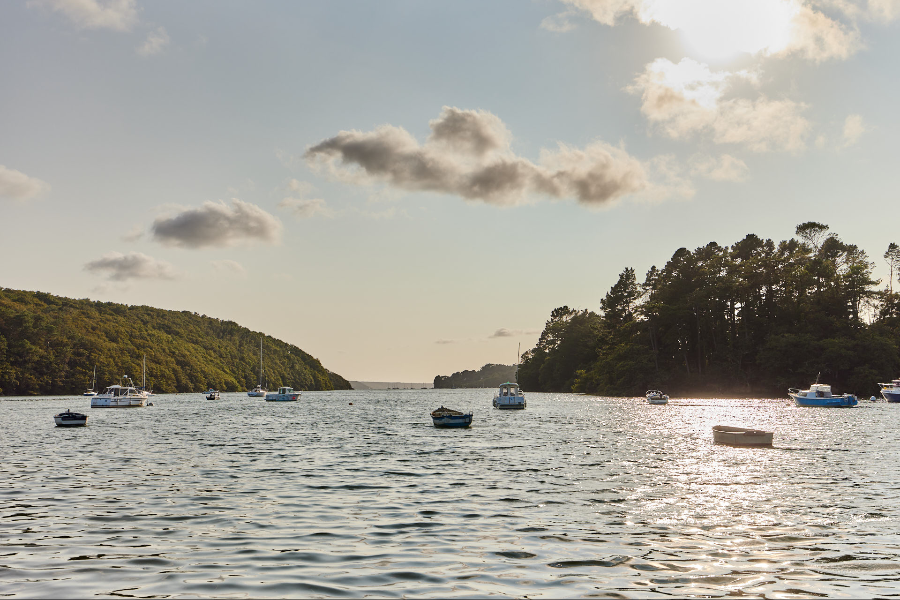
(446,417)
(891,391)
(819,394)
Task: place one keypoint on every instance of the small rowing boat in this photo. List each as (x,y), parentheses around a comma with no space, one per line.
(70,419)
(740,436)
(447,417)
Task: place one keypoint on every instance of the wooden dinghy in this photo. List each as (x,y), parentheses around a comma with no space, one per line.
(447,417)
(740,436)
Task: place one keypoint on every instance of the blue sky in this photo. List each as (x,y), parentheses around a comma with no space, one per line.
(406,189)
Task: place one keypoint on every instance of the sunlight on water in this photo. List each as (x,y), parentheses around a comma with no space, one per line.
(574,496)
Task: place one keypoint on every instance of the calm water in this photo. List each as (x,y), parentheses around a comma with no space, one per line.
(575,496)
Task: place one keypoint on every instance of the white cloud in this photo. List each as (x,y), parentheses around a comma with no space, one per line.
(134,265)
(19,186)
(215,224)
(723,168)
(119,15)
(559,23)
(133,235)
(155,42)
(687,99)
(853,129)
(468,154)
(231,267)
(503,332)
(306,208)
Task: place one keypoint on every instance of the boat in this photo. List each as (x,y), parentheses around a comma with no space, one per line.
(123,395)
(741,436)
(212,394)
(70,419)
(284,394)
(891,391)
(90,391)
(819,394)
(447,417)
(656,397)
(259,391)
(509,396)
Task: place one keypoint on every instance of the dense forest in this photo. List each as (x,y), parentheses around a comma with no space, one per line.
(50,345)
(487,376)
(748,320)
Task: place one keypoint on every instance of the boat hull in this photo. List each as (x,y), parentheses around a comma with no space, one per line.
(70,420)
(453,421)
(847,401)
(891,396)
(282,397)
(256,394)
(120,402)
(739,436)
(515,403)
(657,400)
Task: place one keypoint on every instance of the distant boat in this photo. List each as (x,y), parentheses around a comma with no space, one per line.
(70,419)
(739,436)
(126,395)
(819,394)
(446,417)
(509,396)
(212,394)
(891,391)
(259,391)
(656,397)
(90,391)
(284,394)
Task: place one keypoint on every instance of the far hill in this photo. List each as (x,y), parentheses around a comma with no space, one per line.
(50,345)
(487,376)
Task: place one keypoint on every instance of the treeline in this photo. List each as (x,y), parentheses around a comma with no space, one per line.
(489,375)
(748,320)
(50,345)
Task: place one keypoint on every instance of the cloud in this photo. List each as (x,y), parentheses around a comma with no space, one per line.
(505,333)
(19,186)
(155,42)
(853,129)
(119,15)
(443,342)
(468,155)
(763,27)
(215,224)
(133,235)
(134,265)
(559,23)
(723,168)
(688,98)
(305,209)
(229,266)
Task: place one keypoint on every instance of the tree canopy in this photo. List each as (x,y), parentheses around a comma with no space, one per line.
(750,319)
(50,345)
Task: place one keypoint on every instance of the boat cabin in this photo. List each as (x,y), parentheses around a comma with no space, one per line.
(509,389)
(118,390)
(819,390)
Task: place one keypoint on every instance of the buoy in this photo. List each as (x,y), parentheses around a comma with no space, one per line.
(351,404)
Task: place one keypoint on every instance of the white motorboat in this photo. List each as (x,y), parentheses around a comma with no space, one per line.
(740,436)
(126,395)
(819,394)
(70,419)
(90,391)
(284,394)
(509,396)
(259,391)
(212,394)
(656,397)
(891,391)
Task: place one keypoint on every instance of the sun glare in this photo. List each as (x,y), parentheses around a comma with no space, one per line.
(721,29)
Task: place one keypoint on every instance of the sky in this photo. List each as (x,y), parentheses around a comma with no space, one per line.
(405,189)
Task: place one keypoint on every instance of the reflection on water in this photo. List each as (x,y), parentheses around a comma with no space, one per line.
(574,496)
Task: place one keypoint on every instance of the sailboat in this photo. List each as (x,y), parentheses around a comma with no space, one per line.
(259,391)
(90,391)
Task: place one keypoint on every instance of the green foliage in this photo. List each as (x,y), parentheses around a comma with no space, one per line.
(50,345)
(750,319)
(489,375)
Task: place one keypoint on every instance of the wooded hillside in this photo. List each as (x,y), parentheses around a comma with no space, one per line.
(489,375)
(50,345)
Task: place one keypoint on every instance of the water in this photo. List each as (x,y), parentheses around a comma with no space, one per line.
(575,496)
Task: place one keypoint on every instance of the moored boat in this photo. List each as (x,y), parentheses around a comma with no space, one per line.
(212,394)
(741,436)
(891,391)
(284,394)
(70,419)
(509,396)
(819,394)
(259,391)
(447,417)
(126,395)
(656,397)
(90,391)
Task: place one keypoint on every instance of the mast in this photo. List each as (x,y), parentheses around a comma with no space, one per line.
(144,373)
(260,362)
(94,381)
(518,354)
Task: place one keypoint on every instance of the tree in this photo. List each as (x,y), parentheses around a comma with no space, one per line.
(812,233)
(892,258)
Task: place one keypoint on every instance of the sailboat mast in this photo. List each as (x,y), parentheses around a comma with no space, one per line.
(518,355)
(260,362)
(144,373)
